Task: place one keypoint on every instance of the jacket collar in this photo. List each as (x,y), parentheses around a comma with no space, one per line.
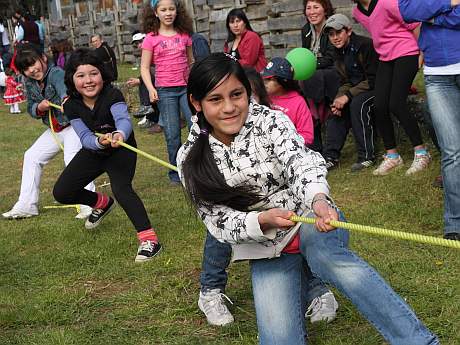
(355,44)
(371,8)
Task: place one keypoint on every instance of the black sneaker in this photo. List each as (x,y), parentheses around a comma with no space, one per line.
(331,163)
(454,236)
(143,111)
(362,165)
(147,250)
(98,214)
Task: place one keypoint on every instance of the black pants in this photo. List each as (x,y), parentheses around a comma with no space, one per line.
(144,99)
(357,115)
(392,84)
(317,144)
(86,166)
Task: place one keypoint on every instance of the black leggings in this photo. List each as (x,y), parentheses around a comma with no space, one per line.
(392,84)
(86,166)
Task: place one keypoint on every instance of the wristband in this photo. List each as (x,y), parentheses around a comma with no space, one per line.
(320,199)
(327,199)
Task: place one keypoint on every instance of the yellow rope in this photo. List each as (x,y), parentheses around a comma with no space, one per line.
(58,107)
(63,206)
(145,154)
(385,232)
(349,226)
(53,132)
(62,148)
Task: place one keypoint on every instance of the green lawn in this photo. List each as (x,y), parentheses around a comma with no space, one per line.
(62,284)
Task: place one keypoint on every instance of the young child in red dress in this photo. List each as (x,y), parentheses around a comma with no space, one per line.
(13,93)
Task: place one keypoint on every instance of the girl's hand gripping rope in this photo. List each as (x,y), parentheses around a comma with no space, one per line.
(325,213)
(117,139)
(275,218)
(43,106)
(105,139)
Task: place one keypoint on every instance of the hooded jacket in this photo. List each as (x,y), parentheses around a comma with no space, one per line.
(440,33)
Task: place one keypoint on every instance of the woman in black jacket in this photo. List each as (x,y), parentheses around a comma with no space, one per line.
(322,87)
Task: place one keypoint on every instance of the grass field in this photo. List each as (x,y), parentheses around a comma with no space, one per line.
(62,284)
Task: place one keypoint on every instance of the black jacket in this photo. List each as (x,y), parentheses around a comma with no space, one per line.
(326,55)
(107,56)
(357,65)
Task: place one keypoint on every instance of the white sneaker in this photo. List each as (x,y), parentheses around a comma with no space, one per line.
(213,306)
(419,163)
(388,165)
(84,212)
(323,308)
(17,214)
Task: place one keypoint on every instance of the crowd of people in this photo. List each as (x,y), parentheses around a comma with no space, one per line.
(254,155)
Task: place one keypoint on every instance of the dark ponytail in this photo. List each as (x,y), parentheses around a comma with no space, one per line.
(204,183)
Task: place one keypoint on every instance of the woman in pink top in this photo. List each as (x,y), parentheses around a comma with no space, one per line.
(285,95)
(243,43)
(396,44)
(168,45)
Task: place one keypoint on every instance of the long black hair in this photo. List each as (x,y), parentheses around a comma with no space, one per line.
(204,183)
(257,85)
(240,14)
(82,56)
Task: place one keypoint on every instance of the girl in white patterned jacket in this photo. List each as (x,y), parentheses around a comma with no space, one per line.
(247,172)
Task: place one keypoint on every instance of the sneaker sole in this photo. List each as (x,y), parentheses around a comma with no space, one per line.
(90,226)
(82,216)
(387,172)
(145,258)
(326,319)
(18,217)
(220,324)
(138,116)
(361,168)
(409,173)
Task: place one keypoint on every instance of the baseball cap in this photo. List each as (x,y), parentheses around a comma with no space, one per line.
(337,22)
(138,37)
(278,67)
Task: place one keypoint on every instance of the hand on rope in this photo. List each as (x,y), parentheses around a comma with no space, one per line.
(337,224)
(114,139)
(145,154)
(58,107)
(385,232)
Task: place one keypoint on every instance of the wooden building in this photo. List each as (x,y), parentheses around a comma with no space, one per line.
(278,22)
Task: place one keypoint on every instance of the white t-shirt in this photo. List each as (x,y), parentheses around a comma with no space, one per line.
(442,70)
(5,39)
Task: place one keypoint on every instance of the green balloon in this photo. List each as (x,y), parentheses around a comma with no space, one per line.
(303,62)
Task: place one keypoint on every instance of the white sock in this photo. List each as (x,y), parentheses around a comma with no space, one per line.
(16,107)
(12,108)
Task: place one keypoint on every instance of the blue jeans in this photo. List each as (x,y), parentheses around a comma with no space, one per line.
(278,287)
(172,101)
(443,95)
(216,258)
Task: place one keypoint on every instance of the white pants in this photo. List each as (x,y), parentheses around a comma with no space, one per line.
(39,154)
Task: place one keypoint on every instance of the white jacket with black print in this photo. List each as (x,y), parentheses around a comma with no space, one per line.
(268,154)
